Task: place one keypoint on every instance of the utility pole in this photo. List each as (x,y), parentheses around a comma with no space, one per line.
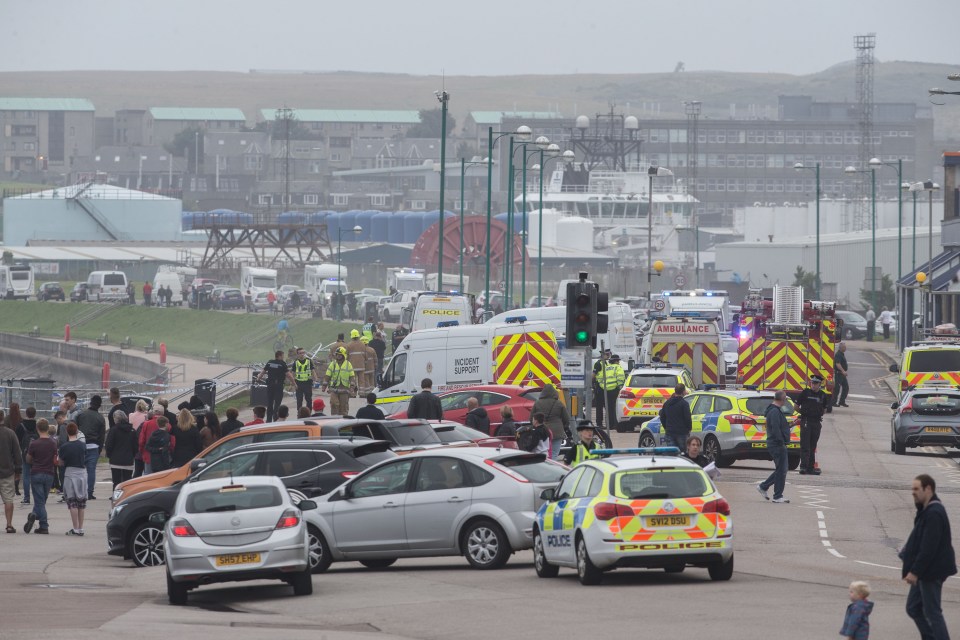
(286,114)
(444,98)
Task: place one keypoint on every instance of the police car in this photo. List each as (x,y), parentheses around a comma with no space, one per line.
(645,391)
(732,424)
(652,510)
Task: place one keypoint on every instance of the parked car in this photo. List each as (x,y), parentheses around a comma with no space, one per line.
(259,301)
(307,468)
(854,325)
(925,416)
(452,432)
(235,529)
(491,397)
(476,502)
(79,292)
(229,299)
(50,291)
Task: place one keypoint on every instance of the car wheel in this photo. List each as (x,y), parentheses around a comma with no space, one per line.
(302,583)
(713,452)
(320,558)
(720,571)
(378,563)
(793,462)
(485,545)
(675,568)
(588,572)
(899,448)
(544,568)
(646,440)
(176,592)
(146,546)
(386,316)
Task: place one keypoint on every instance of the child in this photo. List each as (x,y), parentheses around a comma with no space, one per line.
(856,623)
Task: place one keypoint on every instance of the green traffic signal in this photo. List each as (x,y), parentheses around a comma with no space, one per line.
(582,337)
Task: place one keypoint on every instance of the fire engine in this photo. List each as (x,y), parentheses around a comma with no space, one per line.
(785,340)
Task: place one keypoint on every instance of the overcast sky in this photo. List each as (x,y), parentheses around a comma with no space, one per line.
(463,37)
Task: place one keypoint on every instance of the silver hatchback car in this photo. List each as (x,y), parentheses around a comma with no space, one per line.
(478,502)
(925,416)
(234,529)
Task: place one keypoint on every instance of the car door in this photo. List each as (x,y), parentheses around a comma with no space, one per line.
(454,404)
(369,517)
(438,502)
(558,522)
(700,410)
(298,470)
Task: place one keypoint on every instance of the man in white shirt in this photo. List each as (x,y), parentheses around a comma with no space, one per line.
(886,319)
(871,323)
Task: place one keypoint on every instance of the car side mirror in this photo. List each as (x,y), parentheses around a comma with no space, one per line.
(894,405)
(894,368)
(343,493)
(307,505)
(159,518)
(548,494)
(197,463)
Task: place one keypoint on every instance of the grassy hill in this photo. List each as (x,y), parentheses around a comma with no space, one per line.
(572,94)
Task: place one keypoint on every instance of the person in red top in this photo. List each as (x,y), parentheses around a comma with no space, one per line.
(271,299)
(259,413)
(146,429)
(147,291)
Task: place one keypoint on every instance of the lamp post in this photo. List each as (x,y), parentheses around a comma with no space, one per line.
(898,167)
(463,171)
(816,169)
(523,135)
(930,186)
(542,143)
(356,231)
(552,152)
(909,186)
(652,172)
(873,229)
(444,98)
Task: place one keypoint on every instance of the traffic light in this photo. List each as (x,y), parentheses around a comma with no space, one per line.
(600,312)
(581,313)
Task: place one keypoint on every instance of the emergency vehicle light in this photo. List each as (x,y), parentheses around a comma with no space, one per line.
(448,323)
(515,319)
(640,451)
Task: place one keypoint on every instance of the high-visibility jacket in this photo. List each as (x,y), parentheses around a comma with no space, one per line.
(339,375)
(367,331)
(613,377)
(303,371)
(581,453)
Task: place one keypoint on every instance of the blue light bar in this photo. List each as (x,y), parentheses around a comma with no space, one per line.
(515,319)
(643,451)
(448,323)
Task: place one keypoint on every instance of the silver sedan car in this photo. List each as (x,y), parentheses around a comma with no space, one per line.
(925,416)
(478,502)
(234,529)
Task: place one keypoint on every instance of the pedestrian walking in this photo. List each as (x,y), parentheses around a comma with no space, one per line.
(186,439)
(11,465)
(276,372)
(122,448)
(13,421)
(676,423)
(425,405)
(928,560)
(369,365)
(94,429)
(28,433)
(341,379)
(871,323)
(304,375)
(357,355)
(886,319)
(556,417)
(73,460)
(778,435)
(41,455)
(856,621)
(841,385)
(811,404)
(370,411)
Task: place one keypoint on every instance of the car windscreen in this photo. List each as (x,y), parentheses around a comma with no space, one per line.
(264,281)
(933,361)
(758,406)
(114,280)
(931,401)
(535,468)
(233,498)
(413,435)
(653,381)
(652,484)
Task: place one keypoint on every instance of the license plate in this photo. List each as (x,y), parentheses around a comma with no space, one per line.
(938,430)
(237,558)
(668,521)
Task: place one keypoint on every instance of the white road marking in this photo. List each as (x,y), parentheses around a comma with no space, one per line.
(861,396)
(823,525)
(820,514)
(836,553)
(823,532)
(826,543)
(882,566)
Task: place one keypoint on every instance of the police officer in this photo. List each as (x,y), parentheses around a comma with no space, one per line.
(367,329)
(811,404)
(599,368)
(277,372)
(582,450)
(342,381)
(612,382)
(305,375)
(841,385)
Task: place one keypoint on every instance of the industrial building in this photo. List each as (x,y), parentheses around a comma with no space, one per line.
(44,134)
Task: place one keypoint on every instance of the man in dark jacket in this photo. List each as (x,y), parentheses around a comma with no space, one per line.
(811,404)
(231,424)
(928,559)
(778,435)
(94,429)
(555,416)
(477,417)
(425,405)
(370,411)
(675,419)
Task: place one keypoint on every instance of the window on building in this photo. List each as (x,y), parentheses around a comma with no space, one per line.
(335,157)
(736,136)
(418,205)
(253,163)
(340,199)
(265,199)
(379,200)
(310,198)
(339,142)
(315,166)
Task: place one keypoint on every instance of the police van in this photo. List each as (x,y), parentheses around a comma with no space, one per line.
(516,352)
(432,310)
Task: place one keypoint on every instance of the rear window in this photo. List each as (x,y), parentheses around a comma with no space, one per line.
(19,275)
(459,434)
(933,361)
(413,435)
(758,406)
(652,484)
(114,279)
(653,381)
(936,401)
(371,458)
(535,468)
(236,498)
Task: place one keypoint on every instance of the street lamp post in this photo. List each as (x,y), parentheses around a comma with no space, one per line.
(463,171)
(356,231)
(873,229)
(444,98)
(652,172)
(542,143)
(552,152)
(908,186)
(816,169)
(898,167)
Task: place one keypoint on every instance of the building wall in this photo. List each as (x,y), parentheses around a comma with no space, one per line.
(35,142)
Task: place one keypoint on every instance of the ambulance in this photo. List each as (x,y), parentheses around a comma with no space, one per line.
(517,352)
(689,338)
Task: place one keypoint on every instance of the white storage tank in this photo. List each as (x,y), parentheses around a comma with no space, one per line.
(574,232)
(550,219)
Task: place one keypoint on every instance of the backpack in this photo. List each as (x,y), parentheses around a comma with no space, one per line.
(529,436)
(158,446)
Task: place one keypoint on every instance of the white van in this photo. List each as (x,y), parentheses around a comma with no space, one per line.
(106,285)
(257,280)
(169,279)
(432,310)
(317,277)
(16,281)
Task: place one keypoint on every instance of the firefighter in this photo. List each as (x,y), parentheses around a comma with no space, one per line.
(357,355)
(812,403)
(612,382)
(342,382)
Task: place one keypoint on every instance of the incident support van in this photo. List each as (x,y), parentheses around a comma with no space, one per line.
(16,281)
(686,339)
(432,310)
(257,280)
(106,285)
(513,352)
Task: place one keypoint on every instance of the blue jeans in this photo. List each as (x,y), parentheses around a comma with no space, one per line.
(923,605)
(25,478)
(555,447)
(93,455)
(41,483)
(674,439)
(779,476)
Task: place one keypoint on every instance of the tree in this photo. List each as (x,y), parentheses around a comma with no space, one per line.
(429,126)
(805,279)
(7,257)
(466,150)
(187,143)
(885,295)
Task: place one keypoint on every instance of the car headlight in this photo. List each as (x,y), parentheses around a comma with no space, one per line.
(115,511)
(117,494)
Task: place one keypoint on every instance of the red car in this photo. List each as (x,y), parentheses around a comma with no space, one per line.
(454,433)
(491,398)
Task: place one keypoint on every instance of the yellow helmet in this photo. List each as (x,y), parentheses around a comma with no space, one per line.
(342,351)
(364,339)
(354,334)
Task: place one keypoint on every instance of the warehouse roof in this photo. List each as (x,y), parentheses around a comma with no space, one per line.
(90,190)
(494,117)
(349,115)
(45,104)
(196,113)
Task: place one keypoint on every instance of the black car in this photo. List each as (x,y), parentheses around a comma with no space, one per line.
(407,433)
(79,293)
(50,291)
(307,468)
(229,299)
